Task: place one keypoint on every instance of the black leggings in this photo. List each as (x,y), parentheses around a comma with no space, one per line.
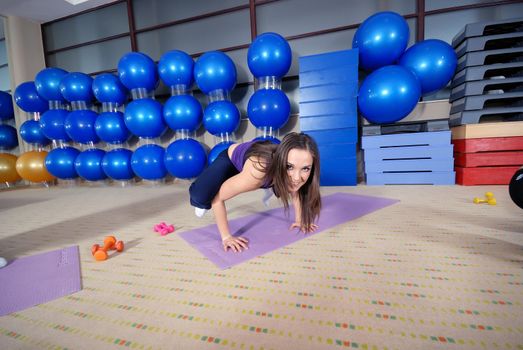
(206,186)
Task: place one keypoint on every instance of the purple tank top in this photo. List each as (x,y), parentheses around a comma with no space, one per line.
(238,158)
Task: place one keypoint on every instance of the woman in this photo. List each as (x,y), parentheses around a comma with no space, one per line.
(291,169)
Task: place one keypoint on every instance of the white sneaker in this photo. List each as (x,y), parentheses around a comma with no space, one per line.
(199,212)
(267,194)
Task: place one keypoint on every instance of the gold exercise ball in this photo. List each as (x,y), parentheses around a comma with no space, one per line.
(31,167)
(8,168)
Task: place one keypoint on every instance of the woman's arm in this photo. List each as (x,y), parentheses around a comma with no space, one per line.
(248,180)
(297,216)
(297,207)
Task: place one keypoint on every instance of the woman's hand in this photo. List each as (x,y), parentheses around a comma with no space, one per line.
(236,244)
(306,229)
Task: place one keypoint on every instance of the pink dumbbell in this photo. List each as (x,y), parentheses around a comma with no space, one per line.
(163,229)
(159,227)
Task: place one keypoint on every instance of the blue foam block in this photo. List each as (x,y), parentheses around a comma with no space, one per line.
(328,92)
(336,135)
(437,138)
(328,122)
(339,164)
(409,165)
(338,178)
(433,178)
(338,171)
(431,152)
(340,75)
(337,150)
(330,59)
(334,106)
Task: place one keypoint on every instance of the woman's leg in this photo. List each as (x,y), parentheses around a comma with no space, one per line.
(206,186)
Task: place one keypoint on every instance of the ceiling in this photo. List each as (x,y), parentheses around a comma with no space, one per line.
(42,11)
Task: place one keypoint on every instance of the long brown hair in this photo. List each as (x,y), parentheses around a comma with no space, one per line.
(273,162)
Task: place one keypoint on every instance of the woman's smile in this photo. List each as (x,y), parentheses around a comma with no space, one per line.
(299,166)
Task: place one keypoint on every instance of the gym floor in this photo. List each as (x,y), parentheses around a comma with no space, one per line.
(433,271)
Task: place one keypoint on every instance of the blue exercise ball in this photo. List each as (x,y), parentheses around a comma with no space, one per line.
(143,118)
(8,137)
(268,108)
(6,106)
(79,125)
(183,112)
(52,123)
(60,162)
(433,61)
(147,162)
(110,127)
(117,164)
(176,68)
(31,132)
(272,139)
(185,159)
(27,98)
(221,117)
(77,87)
(88,164)
(269,55)
(137,70)
(388,94)
(47,83)
(216,150)
(381,39)
(214,70)
(107,88)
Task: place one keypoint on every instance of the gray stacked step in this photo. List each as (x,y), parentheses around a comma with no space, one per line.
(479,58)
(488,28)
(488,85)
(491,71)
(472,103)
(491,42)
(497,114)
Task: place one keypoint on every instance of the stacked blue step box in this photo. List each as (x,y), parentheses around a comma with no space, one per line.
(328,112)
(409,158)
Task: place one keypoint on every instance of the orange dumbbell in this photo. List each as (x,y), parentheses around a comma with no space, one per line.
(110,243)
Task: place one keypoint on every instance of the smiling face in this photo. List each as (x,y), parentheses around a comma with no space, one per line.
(299,168)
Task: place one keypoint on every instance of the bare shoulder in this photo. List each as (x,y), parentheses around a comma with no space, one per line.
(231,149)
(254,167)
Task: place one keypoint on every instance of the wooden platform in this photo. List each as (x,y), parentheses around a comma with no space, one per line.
(426,110)
(473,131)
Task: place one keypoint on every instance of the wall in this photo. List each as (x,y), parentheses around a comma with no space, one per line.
(92,42)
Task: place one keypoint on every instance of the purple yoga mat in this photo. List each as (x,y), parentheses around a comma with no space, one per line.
(269,230)
(40,278)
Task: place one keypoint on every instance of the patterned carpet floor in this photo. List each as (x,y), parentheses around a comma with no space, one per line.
(434,271)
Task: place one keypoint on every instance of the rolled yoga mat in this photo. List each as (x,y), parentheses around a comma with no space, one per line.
(40,278)
(269,230)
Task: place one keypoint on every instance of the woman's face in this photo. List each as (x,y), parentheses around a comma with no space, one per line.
(299,168)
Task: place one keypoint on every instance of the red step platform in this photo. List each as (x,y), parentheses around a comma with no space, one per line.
(487,161)
(488,144)
(485,175)
(471,160)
